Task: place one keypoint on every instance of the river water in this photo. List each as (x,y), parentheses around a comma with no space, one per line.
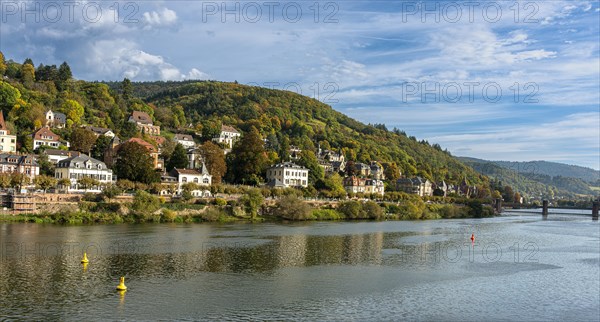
(520,267)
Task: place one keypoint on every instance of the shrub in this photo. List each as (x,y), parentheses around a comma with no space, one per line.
(293,208)
(168,215)
(326,214)
(220,202)
(145,202)
(351,209)
(371,209)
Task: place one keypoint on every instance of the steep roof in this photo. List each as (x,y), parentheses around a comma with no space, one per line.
(227,128)
(98,130)
(143,143)
(288,165)
(45,132)
(15,159)
(183,137)
(188,172)
(83,159)
(141,117)
(61,152)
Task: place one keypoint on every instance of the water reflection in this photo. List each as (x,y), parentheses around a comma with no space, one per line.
(199,269)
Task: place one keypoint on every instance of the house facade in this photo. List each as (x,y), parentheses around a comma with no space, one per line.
(287,174)
(144,123)
(228,136)
(101,131)
(83,166)
(56,119)
(185,139)
(199,177)
(8,142)
(416,185)
(45,136)
(15,163)
(355,185)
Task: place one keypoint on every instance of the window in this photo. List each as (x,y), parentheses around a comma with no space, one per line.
(195,180)
(205,180)
(184,179)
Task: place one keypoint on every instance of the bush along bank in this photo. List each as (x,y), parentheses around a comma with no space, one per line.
(251,206)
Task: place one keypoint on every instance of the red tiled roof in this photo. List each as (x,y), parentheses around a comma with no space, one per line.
(141,117)
(143,143)
(45,131)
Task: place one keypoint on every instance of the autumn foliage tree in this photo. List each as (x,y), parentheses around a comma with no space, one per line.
(82,140)
(214,159)
(134,163)
(247,160)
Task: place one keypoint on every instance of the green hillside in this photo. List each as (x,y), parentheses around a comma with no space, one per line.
(200,108)
(308,123)
(552,169)
(530,183)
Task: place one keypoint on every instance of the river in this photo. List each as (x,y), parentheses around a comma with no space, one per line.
(520,267)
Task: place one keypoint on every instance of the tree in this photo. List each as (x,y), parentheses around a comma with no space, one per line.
(2,64)
(135,163)
(125,185)
(214,159)
(110,191)
(391,171)
(372,210)
(4,180)
(178,159)
(87,182)
(73,110)
(145,202)
(44,182)
(247,160)
(17,180)
(126,89)
(9,97)
(82,140)
(46,166)
(508,194)
(65,183)
(64,76)
(252,200)
(28,75)
(517,197)
(293,208)
(350,168)
(308,159)
(102,143)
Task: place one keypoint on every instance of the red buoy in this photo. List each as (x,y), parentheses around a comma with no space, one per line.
(472,238)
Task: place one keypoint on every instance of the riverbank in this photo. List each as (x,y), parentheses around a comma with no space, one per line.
(146,208)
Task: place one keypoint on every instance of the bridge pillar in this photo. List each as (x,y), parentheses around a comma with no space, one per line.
(545,208)
(595,206)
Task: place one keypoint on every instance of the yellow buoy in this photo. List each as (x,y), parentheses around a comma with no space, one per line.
(85,265)
(84,260)
(121,286)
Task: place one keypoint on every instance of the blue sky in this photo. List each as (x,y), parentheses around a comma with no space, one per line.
(372,60)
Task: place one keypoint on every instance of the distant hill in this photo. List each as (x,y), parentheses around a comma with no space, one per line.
(539,178)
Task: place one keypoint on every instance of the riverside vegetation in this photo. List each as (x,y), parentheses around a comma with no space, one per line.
(253,205)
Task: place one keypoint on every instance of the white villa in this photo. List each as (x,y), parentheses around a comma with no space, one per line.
(228,136)
(287,174)
(82,166)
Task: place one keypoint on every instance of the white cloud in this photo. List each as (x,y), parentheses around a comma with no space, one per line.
(163,17)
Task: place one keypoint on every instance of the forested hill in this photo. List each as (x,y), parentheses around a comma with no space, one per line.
(282,118)
(552,169)
(307,123)
(527,178)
